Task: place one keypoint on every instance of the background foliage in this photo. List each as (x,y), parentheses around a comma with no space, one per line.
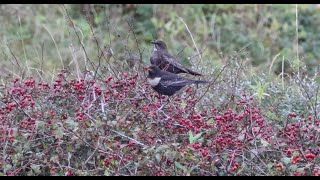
(218,30)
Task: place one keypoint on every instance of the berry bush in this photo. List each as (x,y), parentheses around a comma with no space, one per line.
(113,126)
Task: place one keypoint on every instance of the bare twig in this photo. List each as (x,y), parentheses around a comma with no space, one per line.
(297,40)
(15,58)
(134,35)
(223,68)
(127,137)
(272,62)
(194,43)
(81,43)
(41,65)
(55,44)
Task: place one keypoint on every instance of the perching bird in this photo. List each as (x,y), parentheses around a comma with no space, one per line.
(165,61)
(167,83)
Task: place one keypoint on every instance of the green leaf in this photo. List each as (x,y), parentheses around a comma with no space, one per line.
(183,104)
(271,115)
(36,168)
(224,156)
(71,124)
(114,162)
(270,165)
(196,137)
(58,133)
(286,160)
(260,89)
(39,124)
(190,137)
(158,158)
(99,123)
(60,173)
(88,123)
(308,165)
(190,170)
(69,148)
(8,167)
(168,25)
(293,167)
(26,146)
(178,165)
(301,169)
(264,143)
(210,121)
(106,172)
(162,148)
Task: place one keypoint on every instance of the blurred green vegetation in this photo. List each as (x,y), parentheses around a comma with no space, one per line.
(42,34)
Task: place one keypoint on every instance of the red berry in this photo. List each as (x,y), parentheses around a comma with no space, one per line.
(293,114)
(310,156)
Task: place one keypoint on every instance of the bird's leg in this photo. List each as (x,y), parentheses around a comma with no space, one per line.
(160,97)
(163,105)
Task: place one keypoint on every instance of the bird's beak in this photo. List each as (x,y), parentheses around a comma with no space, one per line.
(153,42)
(147,68)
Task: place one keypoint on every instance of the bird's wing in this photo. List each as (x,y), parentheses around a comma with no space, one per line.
(177,81)
(152,60)
(172,60)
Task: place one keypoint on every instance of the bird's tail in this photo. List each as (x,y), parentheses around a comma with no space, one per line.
(200,81)
(193,72)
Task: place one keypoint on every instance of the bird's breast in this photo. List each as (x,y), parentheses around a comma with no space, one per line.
(154,81)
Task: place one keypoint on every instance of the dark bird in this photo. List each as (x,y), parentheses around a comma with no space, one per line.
(167,83)
(165,61)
